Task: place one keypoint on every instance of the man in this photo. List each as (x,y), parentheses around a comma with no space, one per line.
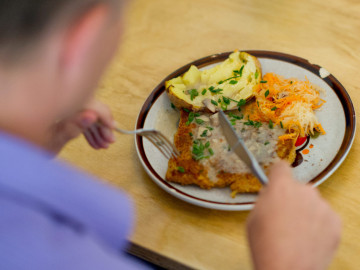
(52,54)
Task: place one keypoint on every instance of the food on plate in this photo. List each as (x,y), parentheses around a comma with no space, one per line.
(206,159)
(233,80)
(290,103)
(281,112)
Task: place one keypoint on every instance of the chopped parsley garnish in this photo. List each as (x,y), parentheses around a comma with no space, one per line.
(190,133)
(196,141)
(199,121)
(233,100)
(281,124)
(263,81)
(203,91)
(173,106)
(198,151)
(241,70)
(224,107)
(186,110)
(256,74)
(211,152)
(181,169)
(273,108)
(214,102)
(235,116)
(241,102)
(219,100)
(233,82)
(190,118)
(271,124)
(210,128)
(291,82)
(266,143)
(226,100)
(258,103)
(238,73)
(228,79)
(215,91)
(207,144)
(193,93)
(267,93)
(204,134)
(257,124)
(249,123)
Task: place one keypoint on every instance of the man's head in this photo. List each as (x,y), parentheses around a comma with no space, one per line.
(52,54)
(23,22)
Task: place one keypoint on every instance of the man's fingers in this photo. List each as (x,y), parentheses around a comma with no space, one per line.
(94,138)
(97,123)
(103,113)
(280,171)
(97,136)
(106,133)
(106,118)
(86,119)
(91,140)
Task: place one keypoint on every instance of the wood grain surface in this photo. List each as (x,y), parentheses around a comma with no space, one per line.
(162,35)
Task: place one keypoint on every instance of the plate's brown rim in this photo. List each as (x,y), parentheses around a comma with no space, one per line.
(334,84)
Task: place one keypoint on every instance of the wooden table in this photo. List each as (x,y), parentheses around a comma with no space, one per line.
(162,35)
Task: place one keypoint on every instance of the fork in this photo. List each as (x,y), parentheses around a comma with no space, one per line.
(157,139)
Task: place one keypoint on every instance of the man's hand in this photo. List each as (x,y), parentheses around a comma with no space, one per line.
(291,226)
(95,121)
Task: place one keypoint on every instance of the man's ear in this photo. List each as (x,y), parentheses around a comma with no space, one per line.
(81,37)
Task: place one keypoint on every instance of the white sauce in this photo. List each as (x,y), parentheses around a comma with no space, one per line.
(261,141)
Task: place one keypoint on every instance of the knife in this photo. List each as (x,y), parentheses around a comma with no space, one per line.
(238,146)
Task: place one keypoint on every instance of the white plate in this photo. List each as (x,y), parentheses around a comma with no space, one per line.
(337,117)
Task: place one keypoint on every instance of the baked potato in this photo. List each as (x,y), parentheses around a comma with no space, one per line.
(220,87)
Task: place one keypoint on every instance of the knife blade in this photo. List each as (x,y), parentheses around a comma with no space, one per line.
(238,146)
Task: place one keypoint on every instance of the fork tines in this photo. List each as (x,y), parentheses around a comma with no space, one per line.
(161,143)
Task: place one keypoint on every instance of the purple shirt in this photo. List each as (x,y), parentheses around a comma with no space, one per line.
(53,216)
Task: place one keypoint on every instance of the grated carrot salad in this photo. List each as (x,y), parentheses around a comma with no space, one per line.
(289,103)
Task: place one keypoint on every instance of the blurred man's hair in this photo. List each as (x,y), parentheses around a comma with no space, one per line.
(23,22)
